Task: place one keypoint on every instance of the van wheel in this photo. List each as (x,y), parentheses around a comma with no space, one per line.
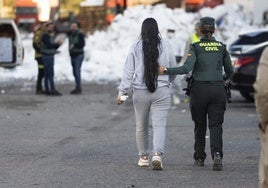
(247,95)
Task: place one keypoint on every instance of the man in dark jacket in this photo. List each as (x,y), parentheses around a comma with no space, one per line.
(49,49)
(76,45)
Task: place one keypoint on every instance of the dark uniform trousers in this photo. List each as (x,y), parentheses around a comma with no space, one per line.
(40,75)
(207,102)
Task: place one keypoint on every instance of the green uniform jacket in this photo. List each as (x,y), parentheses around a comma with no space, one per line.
(206,59)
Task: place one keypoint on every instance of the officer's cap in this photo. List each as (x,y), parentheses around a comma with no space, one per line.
(207,21)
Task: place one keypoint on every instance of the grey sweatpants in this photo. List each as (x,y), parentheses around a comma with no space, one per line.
(157,104)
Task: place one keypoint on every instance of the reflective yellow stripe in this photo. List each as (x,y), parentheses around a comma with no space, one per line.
(38,55)
(41,66)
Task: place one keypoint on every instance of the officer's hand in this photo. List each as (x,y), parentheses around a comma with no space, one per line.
(59,42)
(71,47)
(161,70)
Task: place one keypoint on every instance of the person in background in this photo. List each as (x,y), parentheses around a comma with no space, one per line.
(76,45)
(150,92)
(261,101)
(49,49)
(206,59)
(195,37)
(176,84)
(38,57)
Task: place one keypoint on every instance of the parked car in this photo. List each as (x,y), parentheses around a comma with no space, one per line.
(246,52)
(11,49)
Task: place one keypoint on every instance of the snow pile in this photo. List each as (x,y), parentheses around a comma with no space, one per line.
(106,51)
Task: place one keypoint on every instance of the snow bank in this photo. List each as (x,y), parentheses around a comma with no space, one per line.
(106,51)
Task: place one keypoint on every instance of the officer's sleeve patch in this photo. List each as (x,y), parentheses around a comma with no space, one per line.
(189,55)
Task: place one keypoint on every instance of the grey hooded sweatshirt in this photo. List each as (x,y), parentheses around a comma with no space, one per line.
(133,71)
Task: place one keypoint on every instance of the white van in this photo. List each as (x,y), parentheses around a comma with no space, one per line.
(11,49)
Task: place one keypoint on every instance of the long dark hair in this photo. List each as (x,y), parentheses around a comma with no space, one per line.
(150,41)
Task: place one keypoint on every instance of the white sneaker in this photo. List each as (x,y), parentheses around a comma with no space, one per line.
(143,161)
(157,162)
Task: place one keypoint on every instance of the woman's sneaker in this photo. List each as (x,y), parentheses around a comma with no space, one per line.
(143,161)
(199,162)
(157,162)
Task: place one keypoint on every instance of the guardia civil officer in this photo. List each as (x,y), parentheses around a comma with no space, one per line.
(206,59)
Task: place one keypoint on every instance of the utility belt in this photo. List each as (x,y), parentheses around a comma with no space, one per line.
(208,82)
(227,86)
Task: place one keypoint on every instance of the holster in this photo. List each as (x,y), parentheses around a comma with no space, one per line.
(189,81)
(227,87)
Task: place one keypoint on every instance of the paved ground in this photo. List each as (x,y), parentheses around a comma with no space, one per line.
(88,141)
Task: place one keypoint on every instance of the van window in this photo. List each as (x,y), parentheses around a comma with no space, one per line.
(6,50)
(6,30)
(7,47)
(26,10)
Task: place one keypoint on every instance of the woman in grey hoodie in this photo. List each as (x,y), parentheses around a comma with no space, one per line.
(150,91)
